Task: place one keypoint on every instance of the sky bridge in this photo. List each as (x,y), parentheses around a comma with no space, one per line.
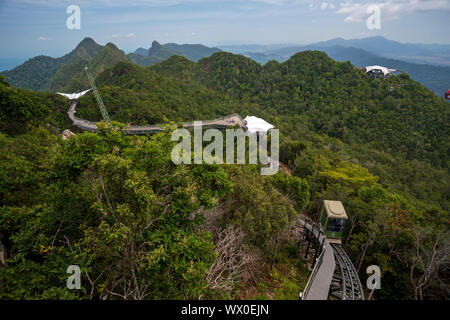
(220,123)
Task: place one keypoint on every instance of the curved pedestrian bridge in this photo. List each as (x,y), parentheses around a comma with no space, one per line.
(228,121)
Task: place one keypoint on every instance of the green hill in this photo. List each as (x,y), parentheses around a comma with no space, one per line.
(87,49)
(146,57)
(71,76)
(333,98)
(35,73)
(158,52)
(310,95)
(434,77)
(344,136)
(142,60)
(43,73)
(65,73)
(108,57)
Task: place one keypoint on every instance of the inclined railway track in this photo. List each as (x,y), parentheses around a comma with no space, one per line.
(333,274)
(345,284)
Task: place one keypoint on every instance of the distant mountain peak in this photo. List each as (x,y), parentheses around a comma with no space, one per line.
(337,39)
(141,51)
(156,44)
(160,51)
(87,49)
(111,45)
(371,38)
(87,42)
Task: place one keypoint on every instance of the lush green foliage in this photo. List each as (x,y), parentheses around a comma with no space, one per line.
(117,206)
(17,110)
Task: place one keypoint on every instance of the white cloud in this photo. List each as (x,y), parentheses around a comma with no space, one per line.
(106,3)
(275,2)
(129,35)
(44,39)
(148,3)
(391,9)
(323,5)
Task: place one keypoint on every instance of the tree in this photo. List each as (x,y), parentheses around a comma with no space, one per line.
(17,110)
(257,207)
(429,260)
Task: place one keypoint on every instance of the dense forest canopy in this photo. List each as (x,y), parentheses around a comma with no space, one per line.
(45,73)
(141,227)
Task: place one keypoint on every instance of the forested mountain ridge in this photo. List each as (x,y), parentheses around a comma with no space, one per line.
(155,54)
(437,54)
(309,93)
(344,136)
(347,104)
(56,74)
(37,73)
(109,56)
(434,77)
(46,73)
(420,53)
(193,52)
(190,51)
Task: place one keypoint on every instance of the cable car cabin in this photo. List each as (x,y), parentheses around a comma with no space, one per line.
(333,219)
(447,95)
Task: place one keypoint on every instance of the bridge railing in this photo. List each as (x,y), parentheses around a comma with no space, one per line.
(318,261)
(142,129)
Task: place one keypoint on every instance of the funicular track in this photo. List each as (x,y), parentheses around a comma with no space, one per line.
(333,274)
(345,284)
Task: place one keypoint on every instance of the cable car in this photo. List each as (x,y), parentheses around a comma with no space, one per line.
(333,219)
(447,95)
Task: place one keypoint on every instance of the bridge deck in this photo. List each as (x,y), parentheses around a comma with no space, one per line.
(231,120)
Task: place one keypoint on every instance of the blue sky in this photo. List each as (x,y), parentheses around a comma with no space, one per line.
(32,27)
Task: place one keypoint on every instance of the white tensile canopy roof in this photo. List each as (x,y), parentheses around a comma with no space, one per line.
(382,69)
(255,124)
(74,96)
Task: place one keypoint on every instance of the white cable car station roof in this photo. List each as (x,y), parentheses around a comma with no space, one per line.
(74,96)
(385,70)
(255,124)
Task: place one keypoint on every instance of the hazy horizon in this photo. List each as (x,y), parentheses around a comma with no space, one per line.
(8,63)
(33,27)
